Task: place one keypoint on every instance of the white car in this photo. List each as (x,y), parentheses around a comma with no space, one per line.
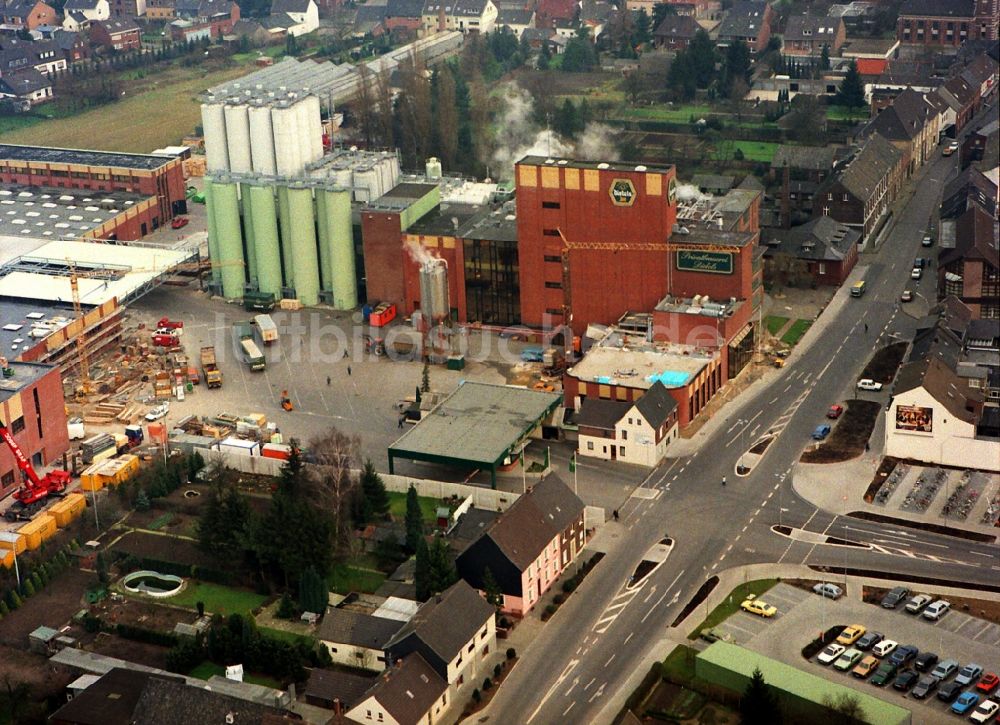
(917,603)
(825,589)
(916,273)
(986,710)
(869,384)
(936,610)
(831,653)
(158,412)
(885,647)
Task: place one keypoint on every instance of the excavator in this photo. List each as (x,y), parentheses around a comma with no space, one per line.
(32,495)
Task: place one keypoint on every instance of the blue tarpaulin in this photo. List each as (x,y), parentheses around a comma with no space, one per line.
(669,378)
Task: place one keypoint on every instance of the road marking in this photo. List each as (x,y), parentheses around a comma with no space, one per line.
(565,673)
(566,711)
(982,553)
(626,640)
(609,660)
(593,679)
(600,691)
(774,401)
(743,531)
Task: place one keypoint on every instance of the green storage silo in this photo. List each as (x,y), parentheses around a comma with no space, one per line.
(323,233)
(213,232)
(230,243)
(340,243)
(266,242)
(303,245)
(249,235)
(285,231)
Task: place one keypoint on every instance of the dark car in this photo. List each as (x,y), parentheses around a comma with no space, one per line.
(925,687)
(894,597)
(905,680)
(869,640)
(949,691)
(885,672)
(925,661)
(920,262)
(901,655)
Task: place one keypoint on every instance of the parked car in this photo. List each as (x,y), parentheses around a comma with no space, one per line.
(925,661)
(989,683)
(179,222)
(907,296)
(905,680)
(904,654)
(758,606)
(920,262)
(945,669)
(885,647)
(968,674)
(917,603)
(158,412)
(830,653)
(835,412)
(950,149)
(986,710)
(885,672)
(848,659)
(965,702)
(897,594)
(821,432)
(916,273)
(851,634)
(869,640)
(866,666)
(925,686)
(935,610)
(869,384)
(949,691)
(928,240)
(825,589)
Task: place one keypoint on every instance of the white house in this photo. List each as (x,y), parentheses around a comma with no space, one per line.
(636,432)
(89,9)
(409,693)
(517,20)
(465,16)
(302,15)
(355,639)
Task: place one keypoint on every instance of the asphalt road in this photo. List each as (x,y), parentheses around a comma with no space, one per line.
(604,631)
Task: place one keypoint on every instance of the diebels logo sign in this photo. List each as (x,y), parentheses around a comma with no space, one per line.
(622,192)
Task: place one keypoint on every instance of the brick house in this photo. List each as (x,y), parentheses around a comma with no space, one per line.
(825,251)
(676,32)
(409,692)
(749,21)
(809,34)
(911,124)
(121,35)
(961,101)
(403,14)
(946,22)
(219,16)
(971,270)
(29,14)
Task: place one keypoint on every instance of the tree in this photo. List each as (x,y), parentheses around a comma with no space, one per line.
(567,121)
(332,487)
(702,56)
(293,472)
(15,701)
(759,706)
(824,58)
(312,592)
(494,595)
(580,55)
(846,709)
(442,569)
(422,571)
(446,120)
(142,501)
(682,79)
(286,607)
(660,13)
(641,31)
(222,526)
(373,488)
(806,121)
(632,85)
(738,65)
(414,520)
(852,91)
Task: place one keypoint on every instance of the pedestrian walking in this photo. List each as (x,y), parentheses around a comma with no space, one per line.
(723,480)
(328,381)
(348,370)
(866,328)
(345,354)
(400,422)
(615,514)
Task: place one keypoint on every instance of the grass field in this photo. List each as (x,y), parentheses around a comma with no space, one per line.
(345,579)
(217,598)
(796,331)
(680,663)
(753,150)
(161,114)
(775,323)
(397,506)
(731,604)
(843,113)
(206,669)
(674,114)
(284,636)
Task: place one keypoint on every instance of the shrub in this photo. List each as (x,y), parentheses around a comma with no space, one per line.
(4,609)
(511,653)
(149,636)
(570,585)
(550,609)
(29,588)
(286,608)
(36,579)
(91,623)
(13,599)
(476,696)
(504,622)
(497,669)
(200,606)
(558,599)
(487,684)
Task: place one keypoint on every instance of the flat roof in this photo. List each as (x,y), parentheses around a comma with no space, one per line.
(601,165)
(13,247)
(445,220)
(478,424)
(799,683)
(629,361)
(59,213)
(52,155)
(25,323)
(24,375)
(493,226)
(44,274)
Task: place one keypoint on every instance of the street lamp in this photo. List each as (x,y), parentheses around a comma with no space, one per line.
(781,486)
(743,443)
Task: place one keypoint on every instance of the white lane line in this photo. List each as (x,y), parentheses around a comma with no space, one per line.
(626,640)
(662,597)
(773,401)
(982,553)
(566,711)
(592,681)
(609,660)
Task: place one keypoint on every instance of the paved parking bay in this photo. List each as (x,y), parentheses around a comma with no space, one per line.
(802,615)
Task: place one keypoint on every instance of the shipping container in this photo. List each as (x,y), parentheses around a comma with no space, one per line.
(266,328)
(276,450)
(8,559)
(89,478)
(39,529)
(238,446)
(13,541)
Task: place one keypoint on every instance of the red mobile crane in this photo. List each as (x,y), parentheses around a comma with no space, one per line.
(30,497)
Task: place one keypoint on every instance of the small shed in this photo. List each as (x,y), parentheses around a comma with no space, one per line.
(42,640)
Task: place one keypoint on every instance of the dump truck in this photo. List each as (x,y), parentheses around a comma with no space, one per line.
(246,347)
(266,328)
(209,368)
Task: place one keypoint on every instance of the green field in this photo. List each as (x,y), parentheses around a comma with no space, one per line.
(428,506)
(345,579)
(731,604)
(752,150)
(206,669)
(673,114)
(775,323)
(843,113)
(284,636)
(218,599)
(796,331)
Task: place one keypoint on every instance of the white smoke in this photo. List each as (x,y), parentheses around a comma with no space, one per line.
(690,192)
(518,136)
(420,254)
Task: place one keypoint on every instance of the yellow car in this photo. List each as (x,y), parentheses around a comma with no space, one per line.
(866,666)
(759,607)
(851,634)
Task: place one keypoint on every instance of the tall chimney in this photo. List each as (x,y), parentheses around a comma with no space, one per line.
(441,17)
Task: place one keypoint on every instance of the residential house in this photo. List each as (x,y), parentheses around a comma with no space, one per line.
(823,250)
(982,73)
(336,690)
(981,147)
(409,693)
(356,639)
(370,20)
(298,17)
(548,11)
(45,56)
(219,16)
(809,34)
(859,195)
(74,46)
(466,16)
(911,124)
(90,9)
(29,14)
(121,35)
(946,22)
(75,21)
(676,32)
(25,89)
(971,270)
(813,163)
(961,101)
(637,432)
(404,15)
(127,9)
(161,10)
(970,188)
(516,20)
(454,632)
(528,546)
(749,21)
(700,9)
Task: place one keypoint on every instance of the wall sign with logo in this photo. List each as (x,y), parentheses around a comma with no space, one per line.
(672,191)
(622,192)
(710,262)
(915,417)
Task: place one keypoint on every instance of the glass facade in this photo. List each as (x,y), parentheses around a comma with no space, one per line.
(492,288)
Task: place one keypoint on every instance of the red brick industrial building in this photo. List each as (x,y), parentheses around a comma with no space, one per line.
(31,405)
(158,176)
(946,22)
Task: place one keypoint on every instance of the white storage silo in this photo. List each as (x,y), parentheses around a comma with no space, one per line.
(213,124)
(315,127)
(302,108)
(262,140)
(238,138)
(286,148)
(385,174)
(433,168)
(343,177)
(394,165)
(364,181)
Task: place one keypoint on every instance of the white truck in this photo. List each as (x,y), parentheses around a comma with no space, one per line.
(266,328)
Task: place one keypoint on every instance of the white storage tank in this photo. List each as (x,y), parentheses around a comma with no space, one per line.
(315,127)
(262,140)
(433,168)
(385,173)
(302,109)
(213,123)
(238,138)
(394,165)
(364,183)
(286,145)
(343,177)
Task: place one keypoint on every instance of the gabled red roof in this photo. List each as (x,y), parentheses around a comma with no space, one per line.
(557,9)
(871,66)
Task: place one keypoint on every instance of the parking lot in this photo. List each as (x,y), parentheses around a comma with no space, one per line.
(802,616)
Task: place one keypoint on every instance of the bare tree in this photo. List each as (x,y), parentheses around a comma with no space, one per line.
(414,110)
(846,708)
(364,104)
(447,119)
(333,484)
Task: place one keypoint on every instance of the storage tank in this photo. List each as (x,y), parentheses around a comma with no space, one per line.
(366,182)
(394,165)
(340,242)
(286,144)
(262,140)
(434,290)
(226,210)
(303,117)
(285,235)
(213,124)
(249,233)
(315,127)
(213,232)
(238,138)
(266,241)
(433,168)
(385,173)
(303,246)
(343,177)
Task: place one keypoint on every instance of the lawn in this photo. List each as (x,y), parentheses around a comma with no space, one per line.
(345,579)
(753,150)
(796,331)
(673,114)
(206,669)
(290,637)
(138,123)
(679,664)
(843,113)
(428,506)
(775,323)
(731,604)
(217,598)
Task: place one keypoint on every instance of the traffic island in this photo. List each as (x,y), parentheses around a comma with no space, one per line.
(850,434)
